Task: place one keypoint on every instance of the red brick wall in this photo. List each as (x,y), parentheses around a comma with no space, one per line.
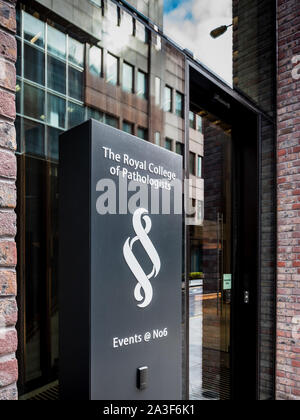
(288,297)
(8,307)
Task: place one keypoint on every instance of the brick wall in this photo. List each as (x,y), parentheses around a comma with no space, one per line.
(288,296)
(8,307)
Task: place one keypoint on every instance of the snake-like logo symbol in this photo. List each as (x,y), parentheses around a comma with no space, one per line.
(143,292)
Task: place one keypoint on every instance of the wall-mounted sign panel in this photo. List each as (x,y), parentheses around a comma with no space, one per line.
(120,270)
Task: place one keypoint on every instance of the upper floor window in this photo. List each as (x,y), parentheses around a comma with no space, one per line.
(112,13)
(168,99)
(142,85)
(127,23)
(169,144)
(95,61)
(76,52)
(192,163)
(34,30)
(200,167)
(56,42)
(128,127)
(199,126)
(157,138)
(97,2)
(179,104)
(140,31)
(180,148)
(112,69)
(192,119)
(128,77)
(142,133)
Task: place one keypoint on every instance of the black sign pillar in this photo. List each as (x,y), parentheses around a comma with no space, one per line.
(120,272)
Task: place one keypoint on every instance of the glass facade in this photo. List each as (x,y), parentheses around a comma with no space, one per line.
(67,76)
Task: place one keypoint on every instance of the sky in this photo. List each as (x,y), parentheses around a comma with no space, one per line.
(189,23)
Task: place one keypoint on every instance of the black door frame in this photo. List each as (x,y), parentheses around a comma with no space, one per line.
(227,103)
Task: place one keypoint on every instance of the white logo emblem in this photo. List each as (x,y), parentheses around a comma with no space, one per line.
(142,278)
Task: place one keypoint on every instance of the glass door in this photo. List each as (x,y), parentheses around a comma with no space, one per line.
(211,269)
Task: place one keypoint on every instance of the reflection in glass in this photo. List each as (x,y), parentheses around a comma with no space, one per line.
(199,172)
(76,52)
(140,31)
(19,58)
(95,61)
(168,144)
(75,114)
(142,133)
(112,70)
(34,138)
(95,114)
(34,30)
(127,23)
(180,149)
(75,83)
(34,102)
(210,261)
(199,123)
(192,163)
(18,96)
(56,75)
(179,104)
(56,115)
(157,138)
(56,42)
(168,99)
(128,127)
(53,143)
(127,78)
(34,64)
(112,121)
(142,85)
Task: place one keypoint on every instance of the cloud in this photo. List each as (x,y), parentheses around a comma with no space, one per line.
(190,22)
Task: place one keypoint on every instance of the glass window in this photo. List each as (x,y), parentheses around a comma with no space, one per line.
(53,142)
(112,13)
(112,70)
(75,114)
(127,23)
(180,149)
(34,64)
(34,30)
(140,31)
(169,144)
(18,124)
(192,163)
(127,77)
(112,121)
(19,58)
(56,115)
(75,83)
(168,99)
(56,42)
(157,91)
(157,138)
(142,85)
(192,119)
(128,127)
(179,104)
(56,75)
(97,2)
(34,138)
(95,61)
(200,160)
(18,96)
(199,123)
(142,133)
(34,102)
(95,114)
(76,52)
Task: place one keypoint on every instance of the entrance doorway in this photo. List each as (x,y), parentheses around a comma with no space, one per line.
(223,255)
